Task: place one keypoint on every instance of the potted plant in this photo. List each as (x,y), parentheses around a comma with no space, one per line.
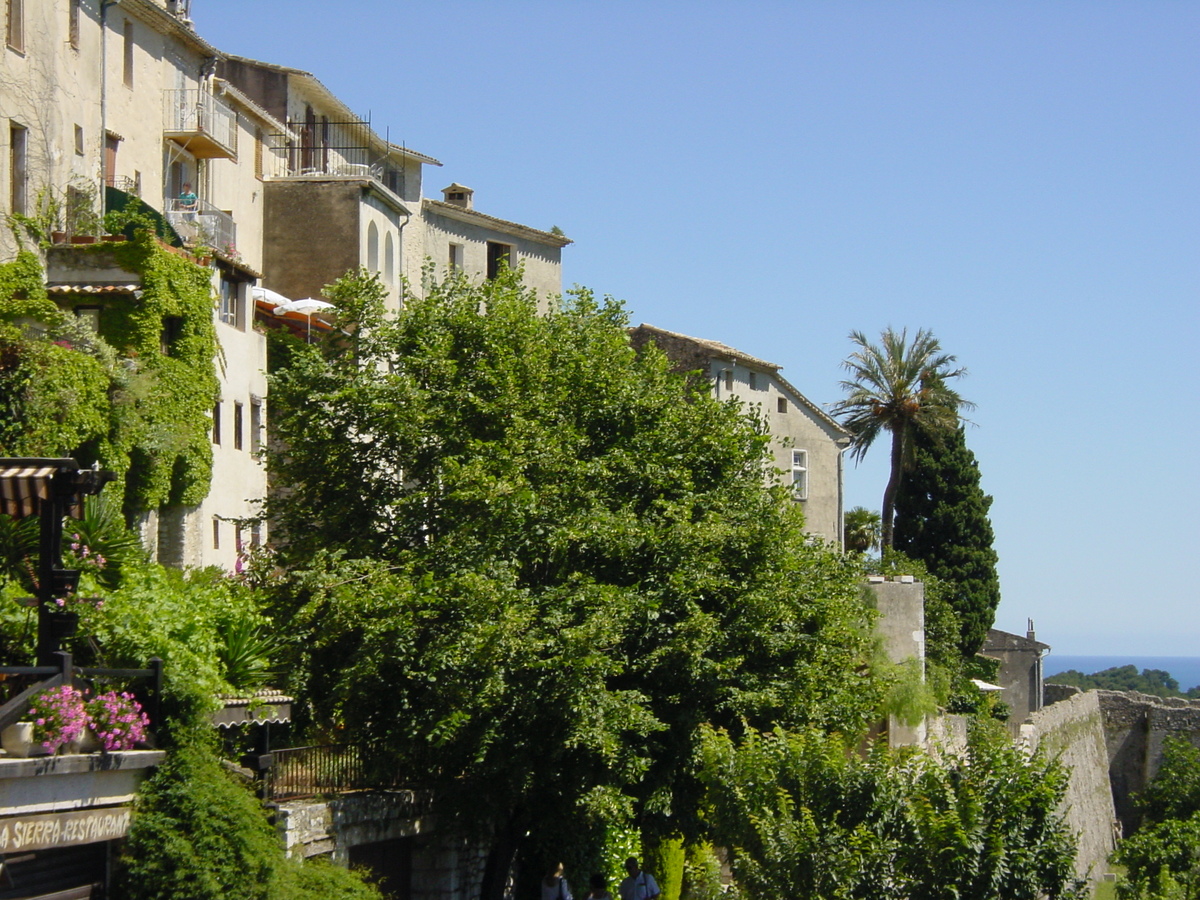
(56,717)
(118,721)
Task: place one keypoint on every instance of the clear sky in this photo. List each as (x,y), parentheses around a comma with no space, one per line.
(1020,177)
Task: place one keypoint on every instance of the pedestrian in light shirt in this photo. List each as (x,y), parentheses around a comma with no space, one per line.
(639,885)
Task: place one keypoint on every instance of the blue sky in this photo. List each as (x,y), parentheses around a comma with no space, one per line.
(1020,177)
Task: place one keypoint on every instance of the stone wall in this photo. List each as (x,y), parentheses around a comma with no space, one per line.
(393,822)
(1073,732)
(1135,726)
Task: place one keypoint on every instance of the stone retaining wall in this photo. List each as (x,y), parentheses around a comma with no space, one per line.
(1073,732)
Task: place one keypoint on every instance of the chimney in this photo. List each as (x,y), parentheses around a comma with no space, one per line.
(1029,633)
(459,195)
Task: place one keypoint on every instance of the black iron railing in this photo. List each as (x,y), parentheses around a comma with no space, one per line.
(328,769)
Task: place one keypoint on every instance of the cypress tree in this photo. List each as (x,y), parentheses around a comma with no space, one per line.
(942,519)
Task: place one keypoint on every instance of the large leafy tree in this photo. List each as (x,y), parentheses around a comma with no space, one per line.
(861,529)
(568,562)
(942,519)
(896,387)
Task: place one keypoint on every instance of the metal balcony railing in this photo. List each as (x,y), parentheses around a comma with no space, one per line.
(199,223)
(200,123)
(330,769)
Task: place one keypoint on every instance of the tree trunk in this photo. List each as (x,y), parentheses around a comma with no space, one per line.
(500,859)
(889,493)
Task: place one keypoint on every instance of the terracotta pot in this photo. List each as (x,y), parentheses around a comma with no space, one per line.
(113,238)
(83,239)
(17,740)
(58,237)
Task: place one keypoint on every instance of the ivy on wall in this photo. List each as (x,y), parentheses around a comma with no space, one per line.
(136,396)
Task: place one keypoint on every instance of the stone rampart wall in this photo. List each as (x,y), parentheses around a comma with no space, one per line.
(1073,732)
(1135,726)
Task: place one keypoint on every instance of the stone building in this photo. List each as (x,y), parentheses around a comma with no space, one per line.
(1020,672)
(807,445)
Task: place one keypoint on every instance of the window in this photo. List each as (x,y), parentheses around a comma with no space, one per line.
(455,261)
(229,301)
(172,328)
(90,316)
(754,381)
(216,423)
(73,23)
(389,261)
(216,533)
(255,425)
(499,256)
(258,153)
(128,56)
(18,146)
(781,405)
(237,538)
(238,431)
(372,247)
(79,140)
(729,379)
(800,474)
(255,534)
(16,25)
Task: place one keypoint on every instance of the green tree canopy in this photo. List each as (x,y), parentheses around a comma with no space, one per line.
(897,387)
(861,529)
(942,519)
(574,562)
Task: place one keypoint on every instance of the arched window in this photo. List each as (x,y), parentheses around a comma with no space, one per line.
(373,247)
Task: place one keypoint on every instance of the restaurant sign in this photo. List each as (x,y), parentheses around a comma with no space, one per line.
(66,829)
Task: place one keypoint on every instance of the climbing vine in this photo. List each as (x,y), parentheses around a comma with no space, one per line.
(136,395)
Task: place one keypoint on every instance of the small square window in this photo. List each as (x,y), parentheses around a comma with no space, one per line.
(781,405)
(79,140)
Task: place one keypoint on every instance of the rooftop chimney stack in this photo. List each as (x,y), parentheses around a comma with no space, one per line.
(459,195)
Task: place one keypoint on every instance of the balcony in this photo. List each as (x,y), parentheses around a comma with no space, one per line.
(200,123)
(199,223)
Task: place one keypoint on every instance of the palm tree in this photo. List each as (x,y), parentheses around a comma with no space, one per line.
(861,529)
(897,387)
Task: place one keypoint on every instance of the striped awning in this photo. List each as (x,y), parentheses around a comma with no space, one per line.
(74,287)
(24,483)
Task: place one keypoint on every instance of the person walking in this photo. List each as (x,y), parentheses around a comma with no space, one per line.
(599,888)
(554,886)
(639,885)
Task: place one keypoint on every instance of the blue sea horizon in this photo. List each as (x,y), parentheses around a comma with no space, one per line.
(1184,669)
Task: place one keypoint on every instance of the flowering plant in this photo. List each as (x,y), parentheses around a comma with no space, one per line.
(58,717)
(118,720)
(82,557)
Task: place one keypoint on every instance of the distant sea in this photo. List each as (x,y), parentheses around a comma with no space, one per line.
(1184,669)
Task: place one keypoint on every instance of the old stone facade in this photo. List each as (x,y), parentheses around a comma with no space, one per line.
(807,444)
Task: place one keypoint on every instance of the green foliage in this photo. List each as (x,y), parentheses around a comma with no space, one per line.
(861,529)
(897,387)
(116,397)
(942,519)
(180,617)
(197,834)
(317,879)
(910,696)
(803,815)
(702,873)
(665,860)
(1156,682)
(1162,859)
(575,563)
(1175,791)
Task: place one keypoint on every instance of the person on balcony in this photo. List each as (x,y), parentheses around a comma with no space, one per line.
(188,202)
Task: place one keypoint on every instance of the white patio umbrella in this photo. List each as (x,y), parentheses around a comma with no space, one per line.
(305,307)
